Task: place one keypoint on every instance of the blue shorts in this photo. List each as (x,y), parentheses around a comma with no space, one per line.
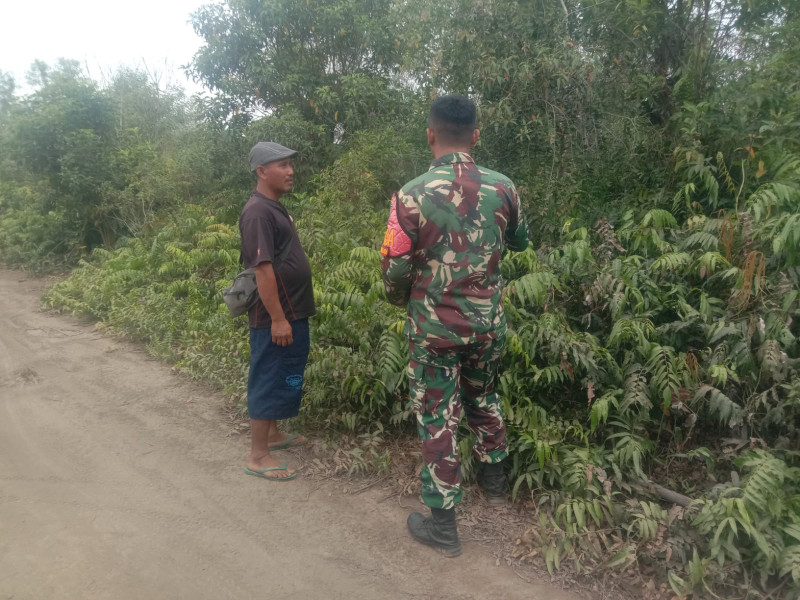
(275,383)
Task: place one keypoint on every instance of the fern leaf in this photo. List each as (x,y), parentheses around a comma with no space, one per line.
(600,408)
(636,392)
(659,218)
(365,255)
(534,287)
(725,409)
(671,261)
(701,239)
(790,563)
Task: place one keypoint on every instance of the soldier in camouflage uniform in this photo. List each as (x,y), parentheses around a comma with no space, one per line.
(447,230)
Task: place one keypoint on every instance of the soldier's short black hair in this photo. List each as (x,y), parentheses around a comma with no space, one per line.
(452,117)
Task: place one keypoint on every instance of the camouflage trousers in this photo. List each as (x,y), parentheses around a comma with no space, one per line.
(443,382)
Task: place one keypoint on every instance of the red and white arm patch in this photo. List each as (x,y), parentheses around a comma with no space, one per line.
(396,242)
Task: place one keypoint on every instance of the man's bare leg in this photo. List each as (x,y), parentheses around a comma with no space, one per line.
(276,436)
(261,432)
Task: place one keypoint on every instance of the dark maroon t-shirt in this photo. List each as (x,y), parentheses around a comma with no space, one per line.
(269,236)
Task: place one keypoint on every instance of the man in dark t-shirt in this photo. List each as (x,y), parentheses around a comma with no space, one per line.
(279,337)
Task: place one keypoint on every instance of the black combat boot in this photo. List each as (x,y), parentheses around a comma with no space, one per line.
(439,530)
(492,478)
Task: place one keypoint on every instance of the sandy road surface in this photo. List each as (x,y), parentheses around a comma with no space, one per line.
(113,486)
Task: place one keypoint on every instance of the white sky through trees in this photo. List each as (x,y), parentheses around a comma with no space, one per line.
(101,34)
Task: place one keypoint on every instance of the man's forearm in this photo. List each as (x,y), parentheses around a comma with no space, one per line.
(397,280)
(268,290)
(397,295)
(518,242)
(519,237)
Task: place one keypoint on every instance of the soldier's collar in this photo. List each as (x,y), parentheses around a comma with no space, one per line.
(451,159)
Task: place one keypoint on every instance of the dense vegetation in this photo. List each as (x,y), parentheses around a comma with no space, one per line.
(654,319)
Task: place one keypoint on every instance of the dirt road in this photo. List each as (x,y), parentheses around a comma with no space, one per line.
(113,486)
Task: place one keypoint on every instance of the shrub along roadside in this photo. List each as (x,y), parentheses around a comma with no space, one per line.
(656,350)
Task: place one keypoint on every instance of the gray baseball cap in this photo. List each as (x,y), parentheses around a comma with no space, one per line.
(267,152)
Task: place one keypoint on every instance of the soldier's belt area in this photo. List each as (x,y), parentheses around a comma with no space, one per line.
(449,343)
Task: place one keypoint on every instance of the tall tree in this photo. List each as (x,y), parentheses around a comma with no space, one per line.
(329,59)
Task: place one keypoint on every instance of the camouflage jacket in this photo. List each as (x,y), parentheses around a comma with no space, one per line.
(441,253)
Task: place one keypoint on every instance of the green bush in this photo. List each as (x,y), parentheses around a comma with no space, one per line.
(644,350)
(630,349)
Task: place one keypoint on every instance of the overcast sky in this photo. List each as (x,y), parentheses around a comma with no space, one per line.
(101,34)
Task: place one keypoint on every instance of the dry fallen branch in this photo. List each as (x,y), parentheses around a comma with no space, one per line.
(662,492)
